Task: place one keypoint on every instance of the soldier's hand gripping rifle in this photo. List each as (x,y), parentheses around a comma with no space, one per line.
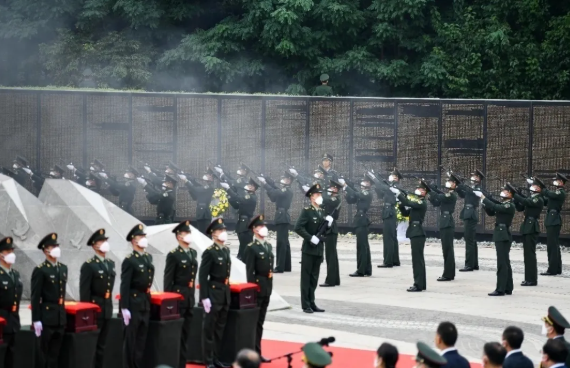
(219,173)
(188,177)
(262,178)
(324,226)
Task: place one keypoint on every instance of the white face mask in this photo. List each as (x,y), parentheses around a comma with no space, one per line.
(375,362)
(126,176)
(91,168)
(503,195)
(544,331)
(15,166)
(53,173)
(223,237)
(165,187)
(447,184)
(55,252)
(143,243)
(238,172)
(283,181)
(319,200)
(10,258)
(147,168)
(105,247)
(555,183)
(418,192)
(205,177)
(264,231)
(187,239)
(391,178)
(473,179)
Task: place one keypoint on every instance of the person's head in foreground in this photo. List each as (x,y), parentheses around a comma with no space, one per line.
(446,336)
(247,358)
(386,356)
(428,358)
(314,356)
(493,355)
(554,354)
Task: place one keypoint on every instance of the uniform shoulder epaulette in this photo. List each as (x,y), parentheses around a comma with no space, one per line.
(89,260)
(308,208)
(250,244)
(129,255)
(173,251)
(210,247)
(448,194)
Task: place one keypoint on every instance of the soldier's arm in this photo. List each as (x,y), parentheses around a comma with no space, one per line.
(191,189)
(434,199)
(350,195)
(406,202)
(300,226)
(37,286)
(460,190)
(233,198)
(250,263)
(551,194)
(169,270)
(274,194)
(126,277)
(85,278)
(499,207)
(203,274)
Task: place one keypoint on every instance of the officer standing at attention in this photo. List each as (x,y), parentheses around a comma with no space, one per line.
(125,190)
(331,205)
(330,173)
(163,199)
(180,273)
(10,298)
(96,281)
(470,217)
(137,275)
(282,197)
(362,199)
(312,249)
(554,326)
(428,358)
(49,280)
(202,194)
(324,89)
(214,278)
(554,200)
(259,260)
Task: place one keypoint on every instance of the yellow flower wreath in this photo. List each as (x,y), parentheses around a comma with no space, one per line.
(221,198)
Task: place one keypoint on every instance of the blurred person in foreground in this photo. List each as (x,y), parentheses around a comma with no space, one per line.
(428,358)
(512,341)
(445,339)
(493,355)
(314,356)
(554,326)
(386,356)
(554,354)
(247,358)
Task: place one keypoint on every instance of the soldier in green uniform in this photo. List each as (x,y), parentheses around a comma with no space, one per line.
(125,190)
(326,164)
(470,217)
(21,170)
(180,274)
(282,197)
(530,229)
(324,89)
(202,194)
(446,201)
(245,204)
(554,326)
(331,205)
(10,298)
(137,275)
(428,358)
(96,281)
(314,356)
(214,278)
(49,280)
(56,172)
(259,262)
(502,237)
(362,200)
(164,199)
(554,200)
(312,249)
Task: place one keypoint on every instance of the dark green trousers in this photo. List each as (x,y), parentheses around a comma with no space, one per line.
(363,259)
(331,256)
(504,270)
(262,303)
(244,239)
(310,267)
(530,266)
(390,241)
(103,325)
(471,251)
(213,326)
(448,252)
(418,262)
(283,248)
(553,249)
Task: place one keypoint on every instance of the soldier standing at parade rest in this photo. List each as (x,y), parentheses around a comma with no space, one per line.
(312,249)
(282,197)
(202,194)
(470,217)
(259,260)
(331,202)
(326,163)
(163,198)
(125,190)
(96,282)
(10,298)
(324,89)
(49,280)
(214,278)
(554,200)
(554,326)
(137,275)
(180,274)
(362,199)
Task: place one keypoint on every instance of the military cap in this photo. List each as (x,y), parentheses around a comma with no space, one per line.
(243,166)
(50,239)
(7,243)
(22,161)
(454,178)
(79,171)
(217,224)
(209,171)
(133,171)
(561,177)
(328,156)
(429,356)
(539,182)
(170,179)
(288,175)
(97,236)
(314,189)
(96,162)
(173,166)
(135,231)
(324,77)
(336,184)
(556,318)
(257,221)
(479,174)
(510,188)
(397,173)
(254,183)
(315,355)
(183,227)
(424,185)
(59,169)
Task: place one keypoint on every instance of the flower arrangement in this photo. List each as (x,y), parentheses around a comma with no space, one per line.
(399,216)
(219,203)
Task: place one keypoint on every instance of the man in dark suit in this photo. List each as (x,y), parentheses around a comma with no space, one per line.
(554,353)
(493,355)
(512,341)
(445,339)
(554,326)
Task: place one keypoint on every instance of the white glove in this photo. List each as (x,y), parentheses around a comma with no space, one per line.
(148,170)
(28,171)
(207,304)
(407,208)
(182,177)
(225,185)
(370,174)
(315,240)
(395,191)
(38,328)
(293,172)
(529,180)
(71,167)
(330,220)
(341,181)
(305,188)
(103,175)
(219,170)
(261,180)
(141,181)
(477,193)
(126,316)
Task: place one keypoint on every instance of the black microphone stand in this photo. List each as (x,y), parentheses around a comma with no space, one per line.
(289,357)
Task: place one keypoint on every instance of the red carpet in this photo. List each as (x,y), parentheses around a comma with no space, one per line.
(342,357)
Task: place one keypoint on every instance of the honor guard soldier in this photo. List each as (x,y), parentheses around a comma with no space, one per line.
(214,278)
(554,326)
(307,227)
(180,275)
(502,237)
(326,163)
(202,194)
(137,275)
(125,190)
(49,280)
(554,200)
(237,183)
(80,175)
(96,282)
(38,180)
(331,205)
(314,356)
(446,201)
(470,217)
(259,260)
(362,199)
(324,89)
(282,196)
(416,234)
(428,358)
(530,229)
(10,296)
(21,168)
(164,199)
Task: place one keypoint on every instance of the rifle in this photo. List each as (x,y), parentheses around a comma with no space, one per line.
(302,179)
(217,174)
(490,196)
(323,226)
(268,180)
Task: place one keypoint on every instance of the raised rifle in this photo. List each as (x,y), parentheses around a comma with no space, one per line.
(323,226)
(217,174)
(268,180)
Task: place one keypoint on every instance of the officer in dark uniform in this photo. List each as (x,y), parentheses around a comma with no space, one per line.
(446,201)
(80,175)
(56,172)
(259,261)
(126,190)
(96,282)
(21,167)
(361,222)
(10,296)
(49,280)
(245,204)
(324,89)
(202,194)
(331,205)
(470,217)
(312,249)
(326,164)
(502,237)
(239,182)
(554,200)
(180,275)
(164,199)
(428,358)
(137,275)
(214,278)
(554,326)
(282,197)
(93,182)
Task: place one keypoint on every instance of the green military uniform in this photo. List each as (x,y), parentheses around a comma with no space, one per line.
(470,216)
(555,318)
(428,356)
(237,184)
(361,222)
(554,200)
(315,355)
(332,203)
(391,249)
(306,227)
(245,204)
(202,194)
(259,261)
(165,201)
(126,190)
(330,174)
(48,295)
(56,172)
(180,274)
(214,278)
(324,89)
(137,275)
(11,288)
(96,282)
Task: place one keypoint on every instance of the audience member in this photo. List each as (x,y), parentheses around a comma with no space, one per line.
(512,341)
(445,339)
(247,358)
(554,354)
(386,356)
(493,355)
